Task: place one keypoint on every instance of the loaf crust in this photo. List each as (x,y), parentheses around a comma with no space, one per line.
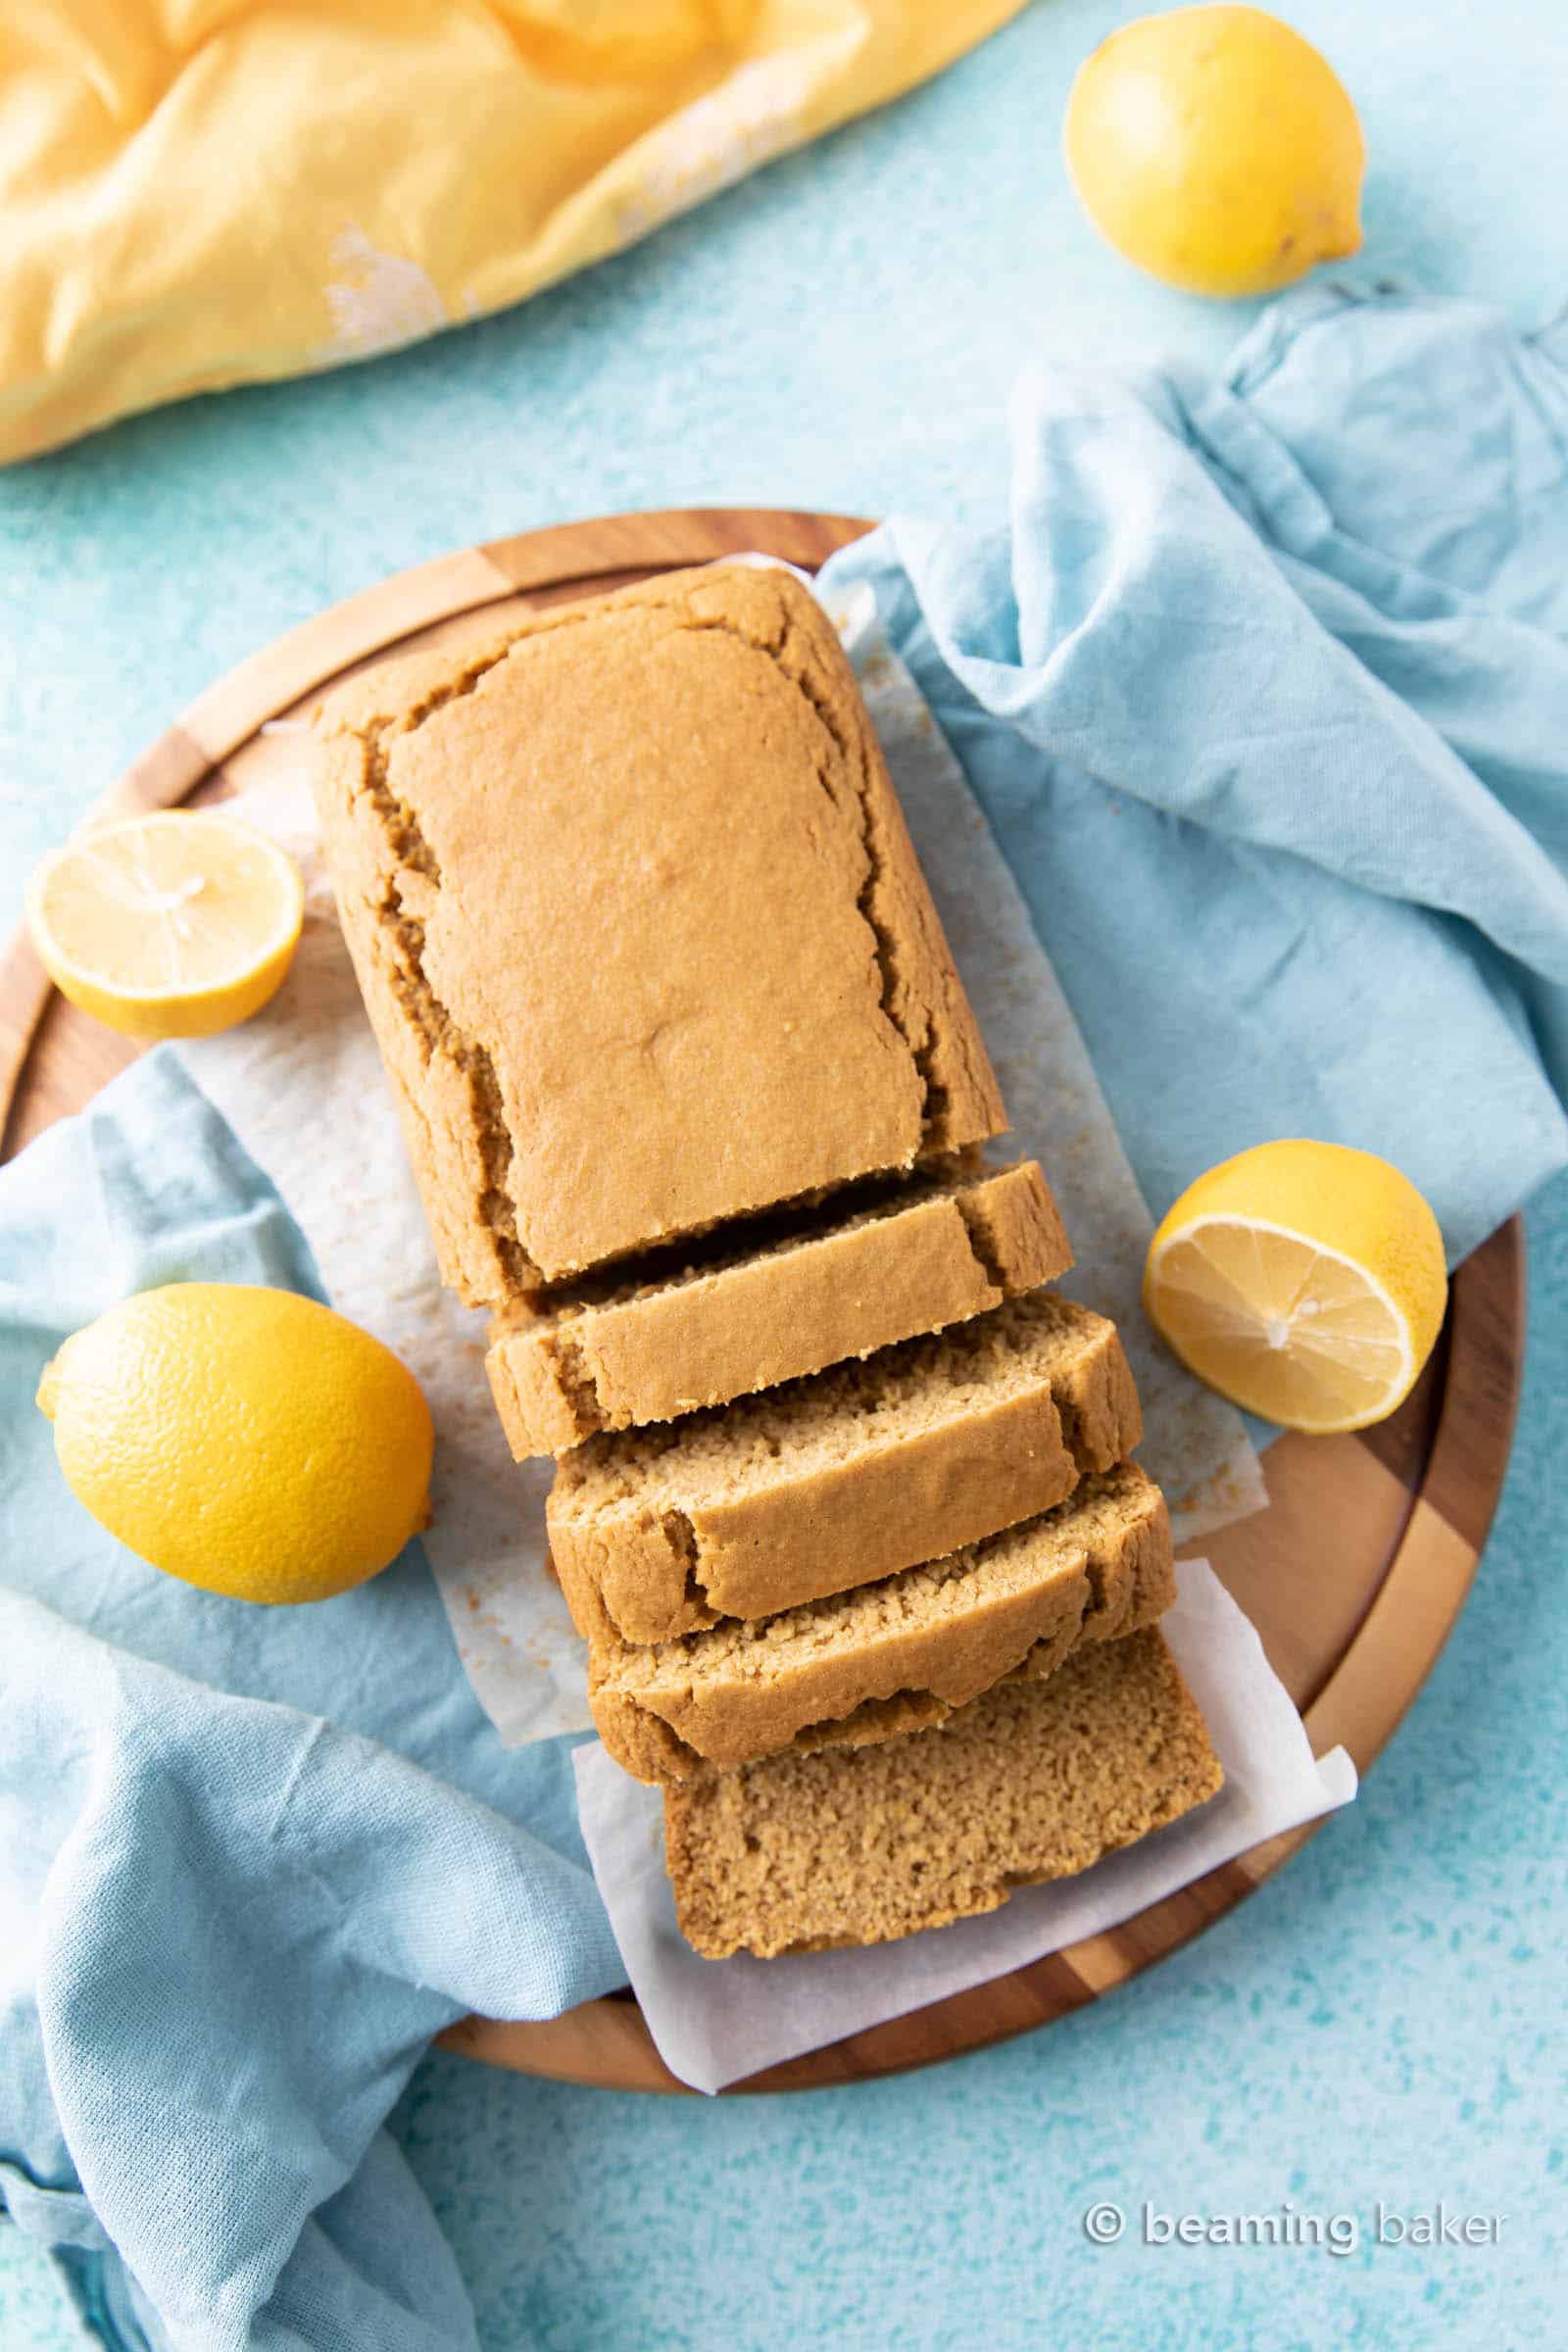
(635,874)
(842,1478)
(895,1657)
(1032,1782)
(935,1253)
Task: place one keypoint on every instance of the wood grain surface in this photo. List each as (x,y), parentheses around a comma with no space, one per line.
(1353,1575)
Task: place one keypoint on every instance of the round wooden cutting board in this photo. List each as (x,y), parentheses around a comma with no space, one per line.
(1353,1575)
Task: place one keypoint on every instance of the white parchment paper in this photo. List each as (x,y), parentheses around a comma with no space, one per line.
(302,1086)
(717,2021)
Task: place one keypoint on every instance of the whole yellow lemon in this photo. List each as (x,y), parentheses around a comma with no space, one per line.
(245,1440)
(1217,149)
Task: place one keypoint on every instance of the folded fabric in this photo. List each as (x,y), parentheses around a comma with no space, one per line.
(1265,694)
(196,197)
(251,1859)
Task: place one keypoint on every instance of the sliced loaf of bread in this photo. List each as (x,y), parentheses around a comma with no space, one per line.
(896,1656)
(1034,1780)
(751,1309)
(842,1478)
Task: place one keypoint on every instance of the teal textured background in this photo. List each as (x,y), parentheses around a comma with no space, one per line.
(1385,2021)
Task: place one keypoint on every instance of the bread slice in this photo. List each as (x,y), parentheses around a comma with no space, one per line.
(639,926)
(895,1656)
(844,1478)
(1034,1780)
(755,1308)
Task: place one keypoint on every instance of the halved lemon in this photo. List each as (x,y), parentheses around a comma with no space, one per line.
(173,925)
(1304,1281)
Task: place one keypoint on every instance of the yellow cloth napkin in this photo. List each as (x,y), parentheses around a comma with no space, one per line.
(199,193)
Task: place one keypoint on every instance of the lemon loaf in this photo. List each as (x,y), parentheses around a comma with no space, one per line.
(1034,1780)
(888,1658)
(639,926)
(747,1313)
(843,1477)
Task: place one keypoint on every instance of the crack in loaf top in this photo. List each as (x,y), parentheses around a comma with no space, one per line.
(640,926)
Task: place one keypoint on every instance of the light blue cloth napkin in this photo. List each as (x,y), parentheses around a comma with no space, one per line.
(1265,694)
(250,1859)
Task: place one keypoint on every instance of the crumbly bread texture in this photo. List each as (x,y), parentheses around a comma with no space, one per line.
(639,926)
(745,1315)
(892,1657)
(841,1479)
(1034,1780)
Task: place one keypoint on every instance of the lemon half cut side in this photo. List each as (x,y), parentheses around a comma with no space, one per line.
(177,924)
(1304,1281)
